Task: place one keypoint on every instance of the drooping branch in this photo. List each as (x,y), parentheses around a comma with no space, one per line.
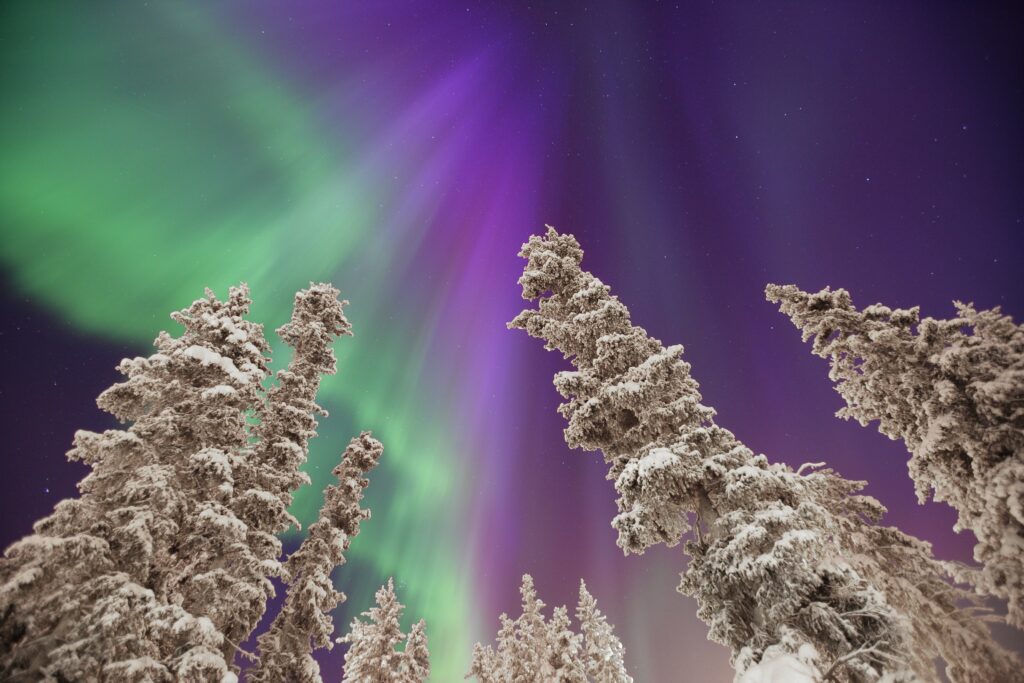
(952,391)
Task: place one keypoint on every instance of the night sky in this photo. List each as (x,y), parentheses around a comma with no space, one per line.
(404,150)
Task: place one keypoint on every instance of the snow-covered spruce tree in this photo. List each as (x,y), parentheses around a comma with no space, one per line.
(373,656)
(161,565)
(953,391)
(304,621)
(564,658)
(77,592)
(226,548)
(522,645)
(531,650)
(789,568)
(602,651)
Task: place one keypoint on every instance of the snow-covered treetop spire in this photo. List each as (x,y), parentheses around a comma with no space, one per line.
(784,564)
(373,655)
(317,320)
(953,391)
(225,358)
(287,418)
(579,316)
(601,650)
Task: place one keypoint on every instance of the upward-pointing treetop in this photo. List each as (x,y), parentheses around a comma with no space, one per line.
(373,655)
(304,622)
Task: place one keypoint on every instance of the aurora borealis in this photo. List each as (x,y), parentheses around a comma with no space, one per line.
(404,150)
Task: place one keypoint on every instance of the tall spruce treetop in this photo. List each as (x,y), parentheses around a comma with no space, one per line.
(97,589)
(304,621)
(523,644)
(787,567)
(287,419)
(373,655)
(532,650)
(953,391)
(563,650)
(232,548)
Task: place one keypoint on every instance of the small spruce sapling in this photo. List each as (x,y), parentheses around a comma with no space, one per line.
(373,655)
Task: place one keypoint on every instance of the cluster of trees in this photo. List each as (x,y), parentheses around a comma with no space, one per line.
(164,564)
(162,567)
(792,569)
(532,649)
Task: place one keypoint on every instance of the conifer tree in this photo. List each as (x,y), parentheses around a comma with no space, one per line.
(373,656)
(953,391)
(563,655)
(213,568)
(304,622)
(415,665)
(531,650)
(602,651)
(787,567)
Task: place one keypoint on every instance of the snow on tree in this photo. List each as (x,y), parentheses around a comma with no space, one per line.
(781,667)
(563,655)
(531,650)
(522,644)
(268,473)
(286,417)
(602,651)
(415,665)
(115,554)
(304,622)
(953,391)
(162,565)
(783,563)
(373,656)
